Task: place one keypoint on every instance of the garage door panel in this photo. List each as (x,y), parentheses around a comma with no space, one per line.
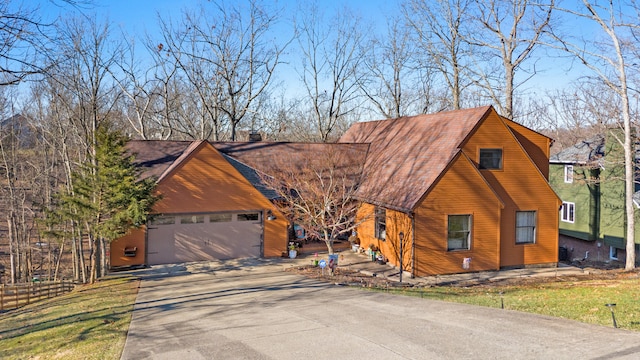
(205,241)
(162,249)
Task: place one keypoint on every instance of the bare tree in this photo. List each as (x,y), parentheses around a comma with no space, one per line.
(505,36)
(20,28)
(389,72)
(440,31)
(138,90)
(228,60)
(608,60)
(331,56)
(316,184)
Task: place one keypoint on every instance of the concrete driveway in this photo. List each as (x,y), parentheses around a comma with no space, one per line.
(252,309)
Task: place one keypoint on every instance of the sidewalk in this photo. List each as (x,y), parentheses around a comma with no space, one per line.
(363,264)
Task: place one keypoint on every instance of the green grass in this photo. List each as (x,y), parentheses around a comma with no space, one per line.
(91,322)
(582,301)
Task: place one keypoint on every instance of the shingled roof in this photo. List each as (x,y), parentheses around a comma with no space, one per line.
(268,157)
(408,154)
(585,152)
(154,157)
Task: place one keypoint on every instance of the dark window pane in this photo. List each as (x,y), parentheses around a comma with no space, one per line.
(490,159)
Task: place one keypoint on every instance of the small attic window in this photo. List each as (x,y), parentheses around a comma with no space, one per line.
(490,159)
(568,174)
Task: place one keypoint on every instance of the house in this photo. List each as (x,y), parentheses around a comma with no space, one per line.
(589,178)
(214,203)
(468,190)
(209,208)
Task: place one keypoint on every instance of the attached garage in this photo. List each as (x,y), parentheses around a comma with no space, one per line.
(208,209)
(203,237)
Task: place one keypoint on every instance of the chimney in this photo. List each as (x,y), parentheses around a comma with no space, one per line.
(255,136)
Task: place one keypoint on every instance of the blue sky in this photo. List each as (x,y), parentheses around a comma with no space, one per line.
(137,17)
(141,15)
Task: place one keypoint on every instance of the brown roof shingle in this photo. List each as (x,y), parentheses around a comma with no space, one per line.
(268,157)
(408,154)
(154,157)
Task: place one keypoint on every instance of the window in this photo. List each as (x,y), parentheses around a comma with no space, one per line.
(163,220)
(219,218)
(525,227)
(568,173)
(568,212)
(613,253)
(459,232)
(249,217)
(381,223)
(490,159)
(194,219)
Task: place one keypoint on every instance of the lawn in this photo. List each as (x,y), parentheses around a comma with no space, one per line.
(90,322)
(582,299)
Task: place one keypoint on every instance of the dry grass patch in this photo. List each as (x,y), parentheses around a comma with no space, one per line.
(91,322)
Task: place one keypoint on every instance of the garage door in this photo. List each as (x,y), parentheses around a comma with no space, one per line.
(203,237)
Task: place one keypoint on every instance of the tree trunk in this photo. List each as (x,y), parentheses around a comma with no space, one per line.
(12,251)
(103,258)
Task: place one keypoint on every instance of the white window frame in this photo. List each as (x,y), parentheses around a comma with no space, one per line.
(568,212)
(464,244)
(530,239)
(613,253)
(568,174)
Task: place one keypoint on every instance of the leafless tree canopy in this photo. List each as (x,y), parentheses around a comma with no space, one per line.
(222,70)
(317,185)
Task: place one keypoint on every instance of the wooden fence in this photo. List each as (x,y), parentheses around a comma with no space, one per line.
(15,296)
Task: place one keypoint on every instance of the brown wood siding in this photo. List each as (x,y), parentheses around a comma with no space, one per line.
(535,144)
(460,191)
(275,235)
(135,238)
(366,230)
(206,182)
(521,186)
(396,222)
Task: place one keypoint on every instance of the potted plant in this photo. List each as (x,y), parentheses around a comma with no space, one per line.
(293,250)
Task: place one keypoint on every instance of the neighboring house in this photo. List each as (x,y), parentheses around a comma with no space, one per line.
(589,178)
(468,189)
(209,209)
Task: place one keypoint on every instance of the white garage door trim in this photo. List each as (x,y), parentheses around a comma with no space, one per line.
(175,238)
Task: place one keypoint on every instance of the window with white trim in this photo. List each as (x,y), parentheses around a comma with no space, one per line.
(568,212)
(568,174)
(458,232)
(613,253)
(525,227)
